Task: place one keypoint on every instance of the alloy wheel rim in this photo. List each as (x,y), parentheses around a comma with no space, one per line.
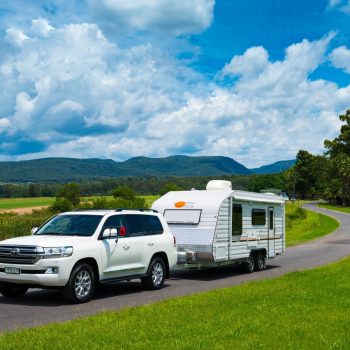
(157,274)
(82,284)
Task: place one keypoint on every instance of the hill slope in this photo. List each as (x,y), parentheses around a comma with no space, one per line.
(71,169)
(275,167)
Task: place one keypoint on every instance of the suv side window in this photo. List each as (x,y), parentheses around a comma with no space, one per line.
(152,224)
(115,221)
(135,225)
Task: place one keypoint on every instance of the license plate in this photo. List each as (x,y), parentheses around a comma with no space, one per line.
(12,270)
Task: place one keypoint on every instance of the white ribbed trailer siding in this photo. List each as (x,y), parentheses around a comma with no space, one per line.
(208,240)
(228,247)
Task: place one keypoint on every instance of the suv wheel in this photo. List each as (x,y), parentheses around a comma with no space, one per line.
(155,274)
(12,291)
(81,284)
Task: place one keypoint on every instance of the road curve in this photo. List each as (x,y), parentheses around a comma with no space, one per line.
(40,307)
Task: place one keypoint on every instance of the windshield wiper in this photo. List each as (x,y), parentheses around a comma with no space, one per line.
(49,233)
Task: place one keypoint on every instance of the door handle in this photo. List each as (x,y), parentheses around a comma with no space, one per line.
(150,244)
(126,246)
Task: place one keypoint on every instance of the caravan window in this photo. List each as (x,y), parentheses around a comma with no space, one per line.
(236,219)
(258,217)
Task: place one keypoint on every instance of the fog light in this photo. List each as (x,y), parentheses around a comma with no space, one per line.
(52,270)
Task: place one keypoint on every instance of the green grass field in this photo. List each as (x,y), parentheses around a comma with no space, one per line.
(17,203)
(303,225)
(335,207)
(301,310)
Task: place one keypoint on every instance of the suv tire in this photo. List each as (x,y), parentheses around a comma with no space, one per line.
(12,291)
(155,274)
(81,285)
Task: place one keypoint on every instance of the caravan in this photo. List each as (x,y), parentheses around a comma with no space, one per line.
(221,226)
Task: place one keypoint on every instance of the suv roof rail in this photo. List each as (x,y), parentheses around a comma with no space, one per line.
(89,209)
(137,209)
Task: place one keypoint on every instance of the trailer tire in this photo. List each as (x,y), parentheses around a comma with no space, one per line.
(249,265)
(260,261)
(155,275)
(12,291)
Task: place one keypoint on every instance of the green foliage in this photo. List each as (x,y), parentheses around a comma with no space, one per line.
(61,205)
(14,225)
(264,181)
(124,192)
(170,186)
(300,310)
(70,192)
(104,203)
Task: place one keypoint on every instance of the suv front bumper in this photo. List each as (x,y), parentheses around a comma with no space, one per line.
(45,273)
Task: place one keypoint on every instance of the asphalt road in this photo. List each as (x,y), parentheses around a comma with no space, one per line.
(40,307)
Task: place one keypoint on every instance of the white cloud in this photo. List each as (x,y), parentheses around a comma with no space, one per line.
(340,58)
(252,62)
(15,36)
(82,95)
(342,5)
(4,124)
(41,27)
(334,3)
(159,16)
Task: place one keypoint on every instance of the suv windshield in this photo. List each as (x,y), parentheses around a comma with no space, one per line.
(71,225)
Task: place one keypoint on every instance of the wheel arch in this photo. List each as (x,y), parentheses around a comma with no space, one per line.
(164,257)
(93,263)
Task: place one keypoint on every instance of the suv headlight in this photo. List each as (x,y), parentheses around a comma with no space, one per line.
(55,252)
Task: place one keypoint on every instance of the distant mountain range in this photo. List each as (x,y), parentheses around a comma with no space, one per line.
(72,169)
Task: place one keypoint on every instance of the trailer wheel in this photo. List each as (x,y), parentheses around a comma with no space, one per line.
(12,291)
(249,265)
(260,261)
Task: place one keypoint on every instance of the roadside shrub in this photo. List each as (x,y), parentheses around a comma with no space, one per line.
(15,225)
(103,203)
(61,205)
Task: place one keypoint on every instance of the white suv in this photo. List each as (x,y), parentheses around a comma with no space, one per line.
(75,251)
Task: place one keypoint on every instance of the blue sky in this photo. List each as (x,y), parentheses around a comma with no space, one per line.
(252,80)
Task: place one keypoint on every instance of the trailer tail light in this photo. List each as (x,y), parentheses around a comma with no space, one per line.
(174,240)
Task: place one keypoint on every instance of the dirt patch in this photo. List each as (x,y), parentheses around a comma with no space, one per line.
(22,211)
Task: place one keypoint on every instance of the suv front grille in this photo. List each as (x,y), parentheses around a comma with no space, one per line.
(21,254)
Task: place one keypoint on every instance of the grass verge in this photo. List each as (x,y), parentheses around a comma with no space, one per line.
(17,203)
(303,225)
(301,310)
(335,207)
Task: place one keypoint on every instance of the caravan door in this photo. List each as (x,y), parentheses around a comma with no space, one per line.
(271,235)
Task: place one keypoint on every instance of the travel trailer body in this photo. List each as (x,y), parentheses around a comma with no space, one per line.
(220,226)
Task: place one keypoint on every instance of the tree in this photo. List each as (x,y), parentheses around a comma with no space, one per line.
(341,144)
(33,190)
(290,180)
(170,186)
(124,192)
(338,151)
(71,193)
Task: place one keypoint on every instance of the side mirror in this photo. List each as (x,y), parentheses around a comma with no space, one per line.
(34,230)
(109,233)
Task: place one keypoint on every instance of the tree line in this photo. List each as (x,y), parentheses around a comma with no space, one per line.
(324,176)
(313,176)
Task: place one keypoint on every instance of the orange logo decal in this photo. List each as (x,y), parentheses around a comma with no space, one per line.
(180,204)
